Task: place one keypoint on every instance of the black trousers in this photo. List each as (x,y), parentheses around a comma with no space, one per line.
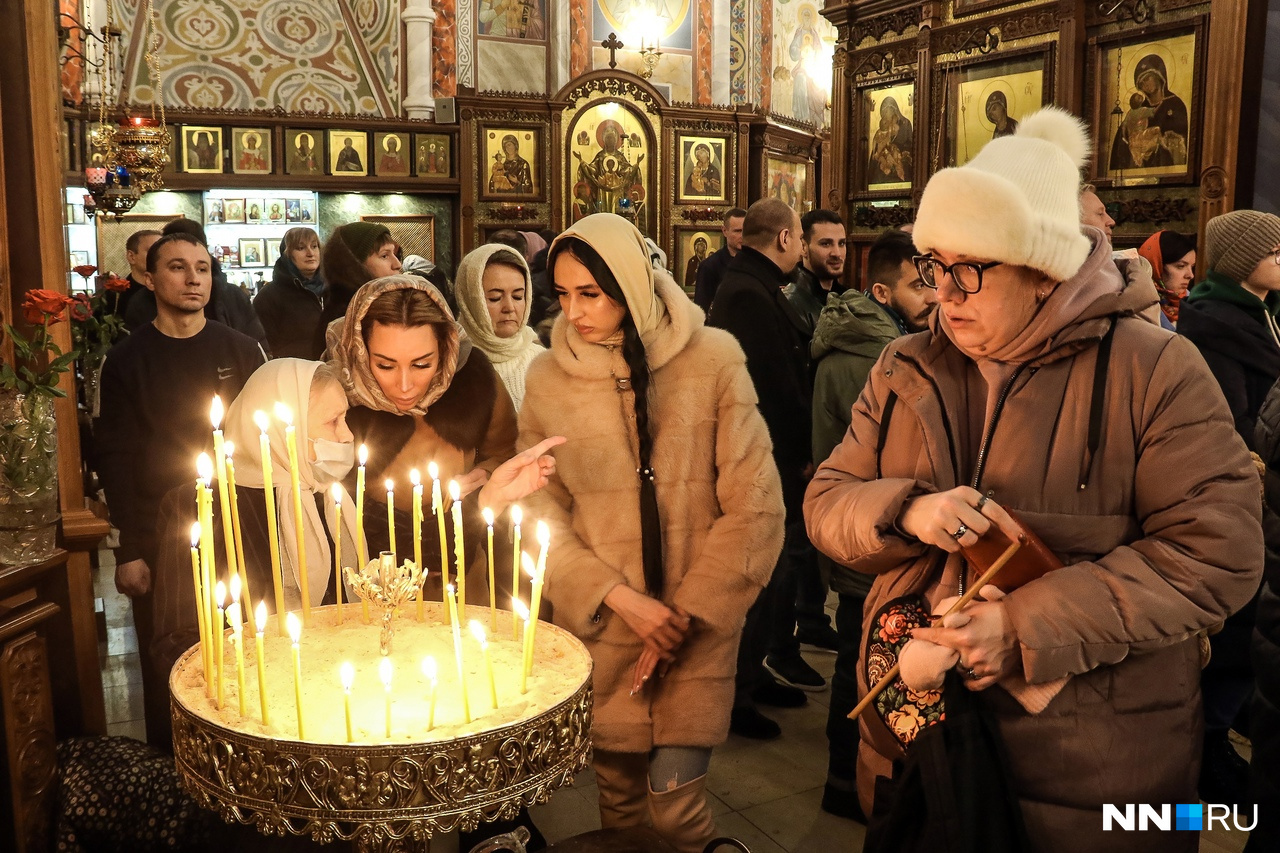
(842,733)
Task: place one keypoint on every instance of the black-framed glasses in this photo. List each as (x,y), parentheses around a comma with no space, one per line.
(966,274)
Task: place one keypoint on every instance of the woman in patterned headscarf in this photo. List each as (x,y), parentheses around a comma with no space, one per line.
(1173,264)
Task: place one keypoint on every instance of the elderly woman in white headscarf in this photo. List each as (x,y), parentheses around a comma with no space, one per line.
(326,453)
(493,288)
(666,516)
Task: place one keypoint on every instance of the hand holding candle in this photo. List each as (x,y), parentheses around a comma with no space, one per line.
(295,634)
(273,527)
(260,623)
(384,673)
(348,675)
(477,631)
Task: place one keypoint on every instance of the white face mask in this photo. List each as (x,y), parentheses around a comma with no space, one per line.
(334,459)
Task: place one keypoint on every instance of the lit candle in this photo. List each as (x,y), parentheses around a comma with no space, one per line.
(235,523)
(457,650)
(260,622)
(273,529)
(204,466)
(437,507)
(237,637)
(391,516)
(493,592)
(477,631)
(348,673)
(224,496)
(535,607)
(362,552)
(285,414)
(416,479)
(196,585)
(219,637)
(459,552)
(429,670)
(337,547)
(384,673)
(295,634)
(522,612)
(516,517)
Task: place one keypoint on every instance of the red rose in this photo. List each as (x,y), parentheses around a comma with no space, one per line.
(84,270)
(115,284)
(43,307)
(81,309)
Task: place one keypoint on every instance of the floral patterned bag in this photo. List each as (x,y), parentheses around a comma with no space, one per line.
(904,711)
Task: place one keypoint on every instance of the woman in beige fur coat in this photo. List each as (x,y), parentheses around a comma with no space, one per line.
(666,516)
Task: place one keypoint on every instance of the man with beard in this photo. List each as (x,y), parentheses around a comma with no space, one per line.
(821,264)
(852,331)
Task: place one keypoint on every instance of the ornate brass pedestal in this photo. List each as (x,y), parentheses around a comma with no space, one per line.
(380,796)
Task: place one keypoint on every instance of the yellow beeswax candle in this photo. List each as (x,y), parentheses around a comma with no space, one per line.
(517,515)
(477,631)
(273,526)
(285,415)
(237,638)
(522,612)
(493,591)
(429,670)
(224,494)
(437,507)
(459,550)
(295,634)
(219,637)
(348,673)
(416,479)
(391,516)
(337,548)
(196,584)
(208,569)
(260,622)
(362,551)
(235,525)
(384,674)
(457,651)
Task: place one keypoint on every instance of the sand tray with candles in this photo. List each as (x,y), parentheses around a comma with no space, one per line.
(432,774)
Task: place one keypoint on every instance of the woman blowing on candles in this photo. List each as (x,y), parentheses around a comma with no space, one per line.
(311,390)
(1039,389)
(666,515)
(421,393)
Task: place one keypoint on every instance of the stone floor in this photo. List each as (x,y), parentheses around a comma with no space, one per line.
(765,794)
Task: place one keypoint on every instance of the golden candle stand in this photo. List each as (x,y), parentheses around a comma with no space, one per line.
(380,796)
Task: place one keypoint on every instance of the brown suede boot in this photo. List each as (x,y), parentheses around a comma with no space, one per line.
(623,780)
(682,817)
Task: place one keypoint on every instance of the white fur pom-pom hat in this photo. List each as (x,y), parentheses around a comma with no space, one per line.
(1017,201)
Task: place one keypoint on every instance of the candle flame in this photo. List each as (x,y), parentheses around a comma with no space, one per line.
(391,485)
(204,467)
(294,627)
(262,420)
(477,631)
(488,516)
(517,514)
(433,470)
(215,411)
(284,414)
(235,587)
(363,455)
(544,534)
(518,606)
(526,562)
(233,615)
(195,535)
(429,669)
(449,587)
(415,477)
(337,493)
(220,593)
(384,672)
(455,493)
(228,448)
(348,675)
(260,616)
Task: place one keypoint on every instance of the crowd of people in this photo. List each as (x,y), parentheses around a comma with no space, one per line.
(714,464)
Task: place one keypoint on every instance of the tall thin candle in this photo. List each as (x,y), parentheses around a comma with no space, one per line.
(295,634)
(391,516)
(535,607)
(237,637)
(457,651)
(459,550)
(522,612)
(437,507)
(273,527)
(429,670)
(260,622)
(517,515)
(493,591)
(219,637)
(348,674)
(224,495)
(416,479)
(285,414)
(198,585)
(337,548)
(477,631)
(208,570)
(362,550)
(235,524)
(384,674)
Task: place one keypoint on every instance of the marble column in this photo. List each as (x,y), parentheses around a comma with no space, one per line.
(418,18)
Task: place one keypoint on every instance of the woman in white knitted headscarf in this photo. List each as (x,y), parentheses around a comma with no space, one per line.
(493,288)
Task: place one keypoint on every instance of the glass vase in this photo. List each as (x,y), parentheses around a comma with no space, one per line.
(28,478)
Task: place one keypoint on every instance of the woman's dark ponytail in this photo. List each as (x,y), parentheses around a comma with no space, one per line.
(633,353)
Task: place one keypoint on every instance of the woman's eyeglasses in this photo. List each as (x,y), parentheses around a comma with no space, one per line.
(967,275)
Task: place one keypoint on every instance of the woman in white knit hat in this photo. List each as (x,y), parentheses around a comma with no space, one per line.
(1038,389)
(493,289)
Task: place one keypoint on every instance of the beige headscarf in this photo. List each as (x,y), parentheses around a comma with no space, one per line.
(288,381)
(351,357)
(623,249)
(473,314)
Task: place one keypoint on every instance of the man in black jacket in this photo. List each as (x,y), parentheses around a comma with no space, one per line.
(135,253)
(153,421)
(227,304)
(711,271)
(750,304)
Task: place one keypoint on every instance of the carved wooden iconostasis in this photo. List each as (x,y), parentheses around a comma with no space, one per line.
(920,87)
